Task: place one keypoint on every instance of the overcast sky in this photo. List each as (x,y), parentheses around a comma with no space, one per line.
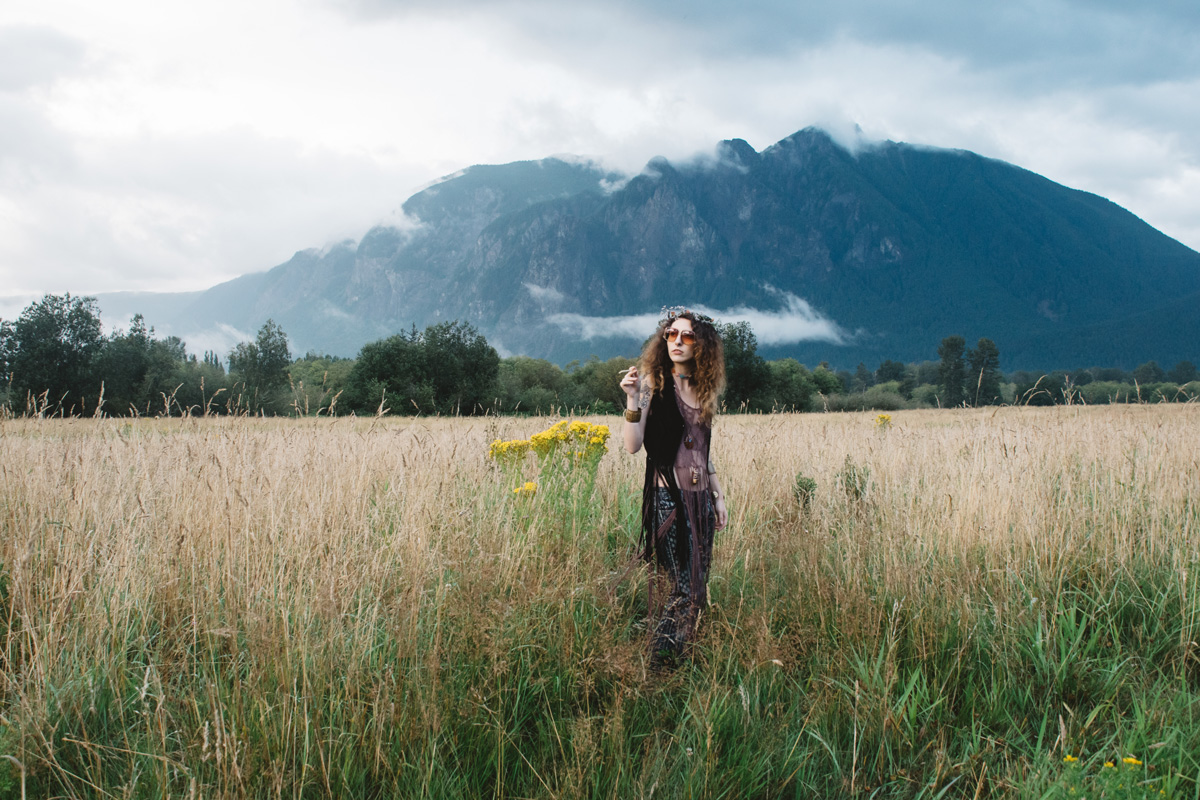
(158,146)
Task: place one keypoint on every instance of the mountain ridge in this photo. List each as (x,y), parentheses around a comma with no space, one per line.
(895,244)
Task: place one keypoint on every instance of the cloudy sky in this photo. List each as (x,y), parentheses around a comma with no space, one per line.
(160,146)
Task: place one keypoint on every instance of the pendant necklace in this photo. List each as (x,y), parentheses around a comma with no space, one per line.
(688,441)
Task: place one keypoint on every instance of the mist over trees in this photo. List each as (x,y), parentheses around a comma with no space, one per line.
(56,361)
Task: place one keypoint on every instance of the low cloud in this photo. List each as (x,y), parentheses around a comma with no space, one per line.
(636,326)
(544,294)
(220,339)
(609,187)
(130,159)
(796,321)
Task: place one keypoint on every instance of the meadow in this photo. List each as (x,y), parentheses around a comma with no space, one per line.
(975,603)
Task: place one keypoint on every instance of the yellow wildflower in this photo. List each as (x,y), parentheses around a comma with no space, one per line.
(513,449)
(1131,761)
(1109,764)
(1070,759)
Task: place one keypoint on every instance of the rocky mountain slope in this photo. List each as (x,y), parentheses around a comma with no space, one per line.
(832,254)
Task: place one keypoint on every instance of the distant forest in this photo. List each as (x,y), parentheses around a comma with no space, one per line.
(56,361)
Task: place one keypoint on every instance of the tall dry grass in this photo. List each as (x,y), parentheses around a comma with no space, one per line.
(344,607)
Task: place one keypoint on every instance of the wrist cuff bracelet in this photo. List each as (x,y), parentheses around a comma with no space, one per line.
(633,416)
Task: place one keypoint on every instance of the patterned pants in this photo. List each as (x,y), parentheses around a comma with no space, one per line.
(676,625)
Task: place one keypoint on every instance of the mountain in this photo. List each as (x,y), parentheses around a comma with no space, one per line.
(832,254)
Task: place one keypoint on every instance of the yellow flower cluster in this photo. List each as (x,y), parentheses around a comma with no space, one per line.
(529,488)
(883,421)
(579,438)
(514,449)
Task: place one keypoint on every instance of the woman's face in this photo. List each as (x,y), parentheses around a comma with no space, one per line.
(681,341)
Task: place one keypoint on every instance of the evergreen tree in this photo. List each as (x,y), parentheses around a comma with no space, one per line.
(448,369)
(863,379)
(462,368)
(1113,374)
(747,378)
(1150,372)
(1040,390)
(952,370)
(1183,372)
(983,378)
(597,384)
(532,385)
(890,371)
(51,348)
(7,343)
(927,372)
(122,364)
(826,381)
(389,373)
(263,363)
(792,385)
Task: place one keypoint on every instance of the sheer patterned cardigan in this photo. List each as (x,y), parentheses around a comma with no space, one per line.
(677,455)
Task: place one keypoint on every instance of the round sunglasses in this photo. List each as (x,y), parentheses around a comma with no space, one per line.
(684,336)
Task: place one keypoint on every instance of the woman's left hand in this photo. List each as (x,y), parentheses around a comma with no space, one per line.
(722,513)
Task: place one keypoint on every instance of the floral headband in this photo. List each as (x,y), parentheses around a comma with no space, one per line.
(670,313)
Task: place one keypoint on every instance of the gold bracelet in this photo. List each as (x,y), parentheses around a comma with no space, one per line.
(634,415)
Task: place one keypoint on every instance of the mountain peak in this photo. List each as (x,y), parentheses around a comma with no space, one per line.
(737,152)
(905,244)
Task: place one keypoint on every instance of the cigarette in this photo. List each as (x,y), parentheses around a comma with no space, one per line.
(626,371)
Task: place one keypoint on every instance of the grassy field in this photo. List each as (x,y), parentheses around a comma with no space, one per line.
(975,603)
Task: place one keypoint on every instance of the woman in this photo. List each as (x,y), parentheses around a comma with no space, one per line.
(669,409)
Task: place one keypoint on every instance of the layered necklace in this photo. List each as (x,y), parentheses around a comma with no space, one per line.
(688,441)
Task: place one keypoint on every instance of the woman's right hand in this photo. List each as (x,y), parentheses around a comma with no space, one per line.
(630,383)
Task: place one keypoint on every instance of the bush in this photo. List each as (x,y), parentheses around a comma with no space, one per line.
(854,480)
(803,489)
(926,396)
(1162,392)
(1099,393)
(884,397)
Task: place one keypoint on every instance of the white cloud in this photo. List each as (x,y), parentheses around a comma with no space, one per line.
(162,146)
(11,306)
(635,326)
(184,213)
(544,294)
(35,55)
(220,339)
(796,321)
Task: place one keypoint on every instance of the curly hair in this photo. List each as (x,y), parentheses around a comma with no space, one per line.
(708,354)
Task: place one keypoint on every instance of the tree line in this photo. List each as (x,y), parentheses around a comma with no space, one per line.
(56,360)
